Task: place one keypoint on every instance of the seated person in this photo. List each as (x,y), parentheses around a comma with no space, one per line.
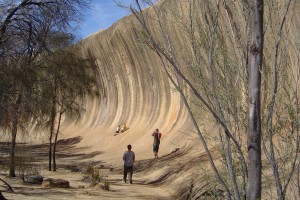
(124,128)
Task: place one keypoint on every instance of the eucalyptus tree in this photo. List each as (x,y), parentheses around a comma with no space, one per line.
(28,29)
(74,90)
(72,81)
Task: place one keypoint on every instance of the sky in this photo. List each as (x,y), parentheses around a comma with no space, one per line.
(101,15)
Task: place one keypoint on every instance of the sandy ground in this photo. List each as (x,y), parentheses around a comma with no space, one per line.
(118,190)
(140,189)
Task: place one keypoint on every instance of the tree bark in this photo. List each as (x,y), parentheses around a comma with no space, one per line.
(254,84)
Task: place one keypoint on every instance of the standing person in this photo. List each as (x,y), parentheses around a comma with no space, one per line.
(156,135)
(129,158)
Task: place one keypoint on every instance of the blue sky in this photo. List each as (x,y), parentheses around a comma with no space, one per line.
(103,14)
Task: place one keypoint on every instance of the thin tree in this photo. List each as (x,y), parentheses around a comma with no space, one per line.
(75,81)
(254,111)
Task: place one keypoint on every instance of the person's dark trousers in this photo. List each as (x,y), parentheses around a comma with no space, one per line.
(126,170)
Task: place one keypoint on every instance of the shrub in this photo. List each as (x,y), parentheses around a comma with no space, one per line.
(26,167)
(92,174)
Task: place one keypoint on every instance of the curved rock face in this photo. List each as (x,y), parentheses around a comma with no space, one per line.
(135,89)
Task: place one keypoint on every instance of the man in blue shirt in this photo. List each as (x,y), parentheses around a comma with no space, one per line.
(129,158)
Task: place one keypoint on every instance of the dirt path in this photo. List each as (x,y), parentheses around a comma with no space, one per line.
(70,156)
(118,190)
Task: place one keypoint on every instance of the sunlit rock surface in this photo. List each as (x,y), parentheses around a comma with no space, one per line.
(135,89)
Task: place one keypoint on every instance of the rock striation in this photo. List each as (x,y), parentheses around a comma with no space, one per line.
(134,86)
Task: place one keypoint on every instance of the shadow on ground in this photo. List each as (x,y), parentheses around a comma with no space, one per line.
(66,149)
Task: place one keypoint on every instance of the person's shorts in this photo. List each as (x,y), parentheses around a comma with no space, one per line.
(155,147)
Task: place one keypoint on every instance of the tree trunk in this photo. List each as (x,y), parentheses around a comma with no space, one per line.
(15,122)
(52,121)
(254,84)
(50,152)
(12,150)
(50,139)
(54,144)
(2,197)
(53,114)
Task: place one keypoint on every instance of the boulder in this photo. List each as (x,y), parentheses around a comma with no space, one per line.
(55,183)
(34,179)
